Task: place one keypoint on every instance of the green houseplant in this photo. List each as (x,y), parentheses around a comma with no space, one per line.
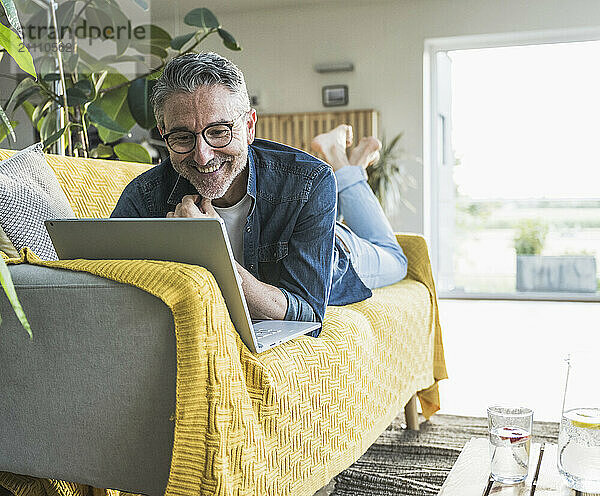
(530,237)
(69,93)
(11,41)
(76,89)
(566,273)
(389,179)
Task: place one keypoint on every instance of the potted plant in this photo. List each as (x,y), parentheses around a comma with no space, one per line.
(566,273)
(72,89)
(76,90)
(389,178)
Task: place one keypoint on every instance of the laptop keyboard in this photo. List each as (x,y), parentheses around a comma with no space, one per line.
(263,333)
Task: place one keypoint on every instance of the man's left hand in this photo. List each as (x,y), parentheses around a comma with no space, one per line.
(189,207)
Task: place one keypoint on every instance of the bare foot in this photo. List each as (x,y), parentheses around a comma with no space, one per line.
(366,152)
(332,145)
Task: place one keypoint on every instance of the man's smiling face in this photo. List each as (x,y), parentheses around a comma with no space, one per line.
(217,173)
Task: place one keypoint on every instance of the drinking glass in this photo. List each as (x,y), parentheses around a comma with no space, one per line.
(510,442)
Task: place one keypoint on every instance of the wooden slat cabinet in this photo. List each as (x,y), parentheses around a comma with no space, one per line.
(299,129)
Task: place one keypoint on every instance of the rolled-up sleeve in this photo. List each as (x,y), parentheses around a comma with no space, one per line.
(298,308)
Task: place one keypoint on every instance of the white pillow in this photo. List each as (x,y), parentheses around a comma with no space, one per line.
(29,195)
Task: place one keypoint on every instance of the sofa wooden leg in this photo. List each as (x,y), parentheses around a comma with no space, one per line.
(411,415)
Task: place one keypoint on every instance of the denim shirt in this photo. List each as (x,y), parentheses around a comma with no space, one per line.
(289,235)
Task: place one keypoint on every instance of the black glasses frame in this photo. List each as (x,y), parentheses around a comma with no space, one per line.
(230,125)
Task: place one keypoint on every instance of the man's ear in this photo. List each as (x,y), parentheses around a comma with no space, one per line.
(251,125)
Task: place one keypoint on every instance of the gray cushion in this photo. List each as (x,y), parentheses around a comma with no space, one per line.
(29,195)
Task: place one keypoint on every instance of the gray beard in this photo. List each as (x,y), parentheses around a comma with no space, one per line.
(206,187)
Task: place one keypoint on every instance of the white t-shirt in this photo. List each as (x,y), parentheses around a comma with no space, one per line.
(235,220)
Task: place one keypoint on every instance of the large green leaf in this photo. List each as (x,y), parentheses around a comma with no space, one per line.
(48,78)
(99,18)
(47,65)
(70,62)
(76,97)
(99,116)
(153,35)
(138,99)
(64,15)
(38,16)
(159,36)
(26,88)
(228,40)
(41,110)
(86,86)
(7,126)
(201,18)
(124,119)
(29,108)
(132,152)
(26,7)
(48,125)
(11,14)
(54,137)
(178,42)
(17,50)
(120,19)
(113,103)
(9,289)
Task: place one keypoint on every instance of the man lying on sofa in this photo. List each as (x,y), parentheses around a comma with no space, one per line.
(278,203)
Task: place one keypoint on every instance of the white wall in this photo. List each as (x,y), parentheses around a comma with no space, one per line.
(385,42)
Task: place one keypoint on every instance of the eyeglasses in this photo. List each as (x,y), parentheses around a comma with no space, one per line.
(215,135)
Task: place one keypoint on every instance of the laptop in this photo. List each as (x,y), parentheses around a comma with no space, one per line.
(201,242)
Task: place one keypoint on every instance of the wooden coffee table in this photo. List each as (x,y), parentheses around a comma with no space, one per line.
(469,475)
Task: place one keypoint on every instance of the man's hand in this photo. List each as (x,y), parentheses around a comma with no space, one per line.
(264,301)
(189,207)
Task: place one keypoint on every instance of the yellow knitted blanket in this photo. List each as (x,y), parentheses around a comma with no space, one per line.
(287,420)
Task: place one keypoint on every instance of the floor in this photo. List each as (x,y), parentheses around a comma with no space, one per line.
(512,352)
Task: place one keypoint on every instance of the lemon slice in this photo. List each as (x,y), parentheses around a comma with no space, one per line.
(586,418)
(585,425)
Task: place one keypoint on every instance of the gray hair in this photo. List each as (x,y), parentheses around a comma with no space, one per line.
(188,72)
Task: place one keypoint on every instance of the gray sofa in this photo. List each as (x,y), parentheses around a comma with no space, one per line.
(90,402)
(91,398)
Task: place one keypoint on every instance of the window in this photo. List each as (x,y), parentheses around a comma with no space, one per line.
(523,172)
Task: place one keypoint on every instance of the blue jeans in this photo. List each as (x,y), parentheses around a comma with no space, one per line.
(368,236)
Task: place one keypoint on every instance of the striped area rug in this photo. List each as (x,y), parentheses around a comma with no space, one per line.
(413,463)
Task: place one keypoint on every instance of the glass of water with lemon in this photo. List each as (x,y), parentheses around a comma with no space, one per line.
(579,435)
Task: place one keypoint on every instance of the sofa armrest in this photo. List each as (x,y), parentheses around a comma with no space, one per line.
(419,269)
(416,251)
(91,398)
